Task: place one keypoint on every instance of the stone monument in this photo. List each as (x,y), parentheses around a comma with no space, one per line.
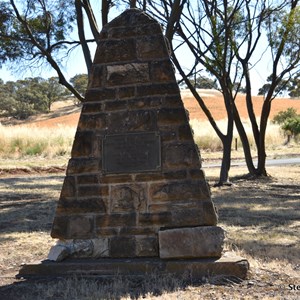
(135,198)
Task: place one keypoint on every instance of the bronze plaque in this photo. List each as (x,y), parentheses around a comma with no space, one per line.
(131,152)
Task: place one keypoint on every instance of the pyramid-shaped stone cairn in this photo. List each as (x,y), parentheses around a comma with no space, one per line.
(134,186)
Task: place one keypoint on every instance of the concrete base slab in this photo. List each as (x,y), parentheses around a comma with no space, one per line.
(227,265)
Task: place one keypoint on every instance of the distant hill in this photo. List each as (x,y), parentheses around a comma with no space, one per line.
(66,113)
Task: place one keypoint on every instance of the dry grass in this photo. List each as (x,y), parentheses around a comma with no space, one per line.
(22,141)
(261,219)
(207,139)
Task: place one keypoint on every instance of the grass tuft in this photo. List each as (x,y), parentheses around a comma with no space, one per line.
(21,141)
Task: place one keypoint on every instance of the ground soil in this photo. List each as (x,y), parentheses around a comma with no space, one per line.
(261,219)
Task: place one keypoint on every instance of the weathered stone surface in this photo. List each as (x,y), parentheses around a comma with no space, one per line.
(180,155)
(81,227)
(132,121)
(69,187)
(83,145)
(92,190)
(197,242)
(100,247)
(155,219)
(131,73)
(93,248)
(122,246)
(195,269)
(146,246)
(83,165)
(58,253)
(157,89)
(177,190)
(117,220)
(149,47)
(92,121)
(60,226)
(161,71)
(115,51)
(100,94)
(86,205)
(128,198)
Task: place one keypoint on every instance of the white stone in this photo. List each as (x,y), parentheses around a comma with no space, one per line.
(58,253)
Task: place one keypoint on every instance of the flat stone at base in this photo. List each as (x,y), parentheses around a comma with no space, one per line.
(227,265)
(196,242)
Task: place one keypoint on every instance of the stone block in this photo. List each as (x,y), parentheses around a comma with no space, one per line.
(180,155)
(139,120)
(172,101)
(174,116)
(157,89)
(198,174)
(83,165)
(186,190)
(197,242)
(86,205)
(161,219)
(81,227)
(122,246)
(172,175)
(92,122)
(144,103)
(209,213)
(128,219)
(60,226)
(99,94)
(69,187)
(100,247)
(126,92)
(83,144)
(98,76)
(119,178)
(93,190)
(128,198)
(115,105)
(88,179)
(132,18)
(115,51)
(150,47)
(161,71)
(185,133)
(228,266)
(58,253)
(188,217)
(125,74)
(147,246)
(138,230)
(89,108)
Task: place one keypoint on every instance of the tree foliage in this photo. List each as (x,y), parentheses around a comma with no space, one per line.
(30,96)
(39,33)
(292,125)
(282,116)
(80,82)
(203,82)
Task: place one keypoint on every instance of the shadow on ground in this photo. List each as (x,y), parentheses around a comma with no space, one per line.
(261,217)
(28,203)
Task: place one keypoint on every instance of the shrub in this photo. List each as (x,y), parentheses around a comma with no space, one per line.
(282,116)
(292,126)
